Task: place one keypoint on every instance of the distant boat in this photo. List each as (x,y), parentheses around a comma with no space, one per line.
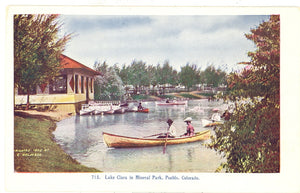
(172,103)
(213,124)
(86,110)
(101,109)
(96,112)
(110,112)
(120,111)
(144,110)
(216,110)
(124,104)
(118,141)
(208,123)
(197,109)
(132,109)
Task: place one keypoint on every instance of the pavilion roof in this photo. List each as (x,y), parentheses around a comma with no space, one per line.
(68,62)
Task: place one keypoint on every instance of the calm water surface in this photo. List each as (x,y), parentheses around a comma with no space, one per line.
(81,137)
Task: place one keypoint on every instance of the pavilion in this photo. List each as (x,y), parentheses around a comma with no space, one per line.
(67,92)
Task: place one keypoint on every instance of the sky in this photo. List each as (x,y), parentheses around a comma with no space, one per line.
(217,40)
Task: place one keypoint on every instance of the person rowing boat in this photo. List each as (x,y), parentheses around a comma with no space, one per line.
(140,107)
(171,131)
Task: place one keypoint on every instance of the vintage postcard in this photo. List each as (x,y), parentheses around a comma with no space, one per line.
(152,99)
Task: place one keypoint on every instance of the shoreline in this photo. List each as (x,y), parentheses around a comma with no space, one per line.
(33,130)
(57,156)
(55,116)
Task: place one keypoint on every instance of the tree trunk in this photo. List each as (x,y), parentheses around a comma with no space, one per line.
(153,90)
(27,104)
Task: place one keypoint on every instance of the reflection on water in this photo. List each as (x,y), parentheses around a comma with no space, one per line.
(81,137)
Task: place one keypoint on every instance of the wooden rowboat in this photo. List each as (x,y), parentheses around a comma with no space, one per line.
(86,110)
(171,103)
(213,124)
(143,110)
(109,112)
(209,123)
(118,141)
(120,111)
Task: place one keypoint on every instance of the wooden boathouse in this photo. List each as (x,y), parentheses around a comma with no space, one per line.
(73,87)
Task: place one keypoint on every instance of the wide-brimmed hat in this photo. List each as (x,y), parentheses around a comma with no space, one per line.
(169,121)
(188,119)
(216,110)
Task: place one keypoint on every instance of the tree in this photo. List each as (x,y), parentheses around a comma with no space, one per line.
(153,76)
(37,49)
(138,74)
(124,74)
(166,75)
(169,76)
(109,86)
(189,75)
(250,140)
(212,76)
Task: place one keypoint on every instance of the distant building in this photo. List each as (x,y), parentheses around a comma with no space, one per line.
(73,87)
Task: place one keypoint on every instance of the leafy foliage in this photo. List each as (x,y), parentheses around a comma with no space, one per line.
(189,75)
(136,74)
(109,86)
(212,76)
(250,140)
(166,74)
(37,48)
(139,74)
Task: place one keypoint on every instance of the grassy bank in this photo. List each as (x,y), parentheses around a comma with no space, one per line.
(35,149)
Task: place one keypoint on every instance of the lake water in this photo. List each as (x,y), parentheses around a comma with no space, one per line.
(81,138)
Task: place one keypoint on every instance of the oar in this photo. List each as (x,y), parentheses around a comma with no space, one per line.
(153,135)
(165,146)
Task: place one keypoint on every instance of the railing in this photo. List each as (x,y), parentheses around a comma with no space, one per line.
(104,103)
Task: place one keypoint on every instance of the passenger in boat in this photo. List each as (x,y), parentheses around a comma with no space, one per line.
(216,116)
(167,101)
(140,107)
(226,115)
(190,131)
